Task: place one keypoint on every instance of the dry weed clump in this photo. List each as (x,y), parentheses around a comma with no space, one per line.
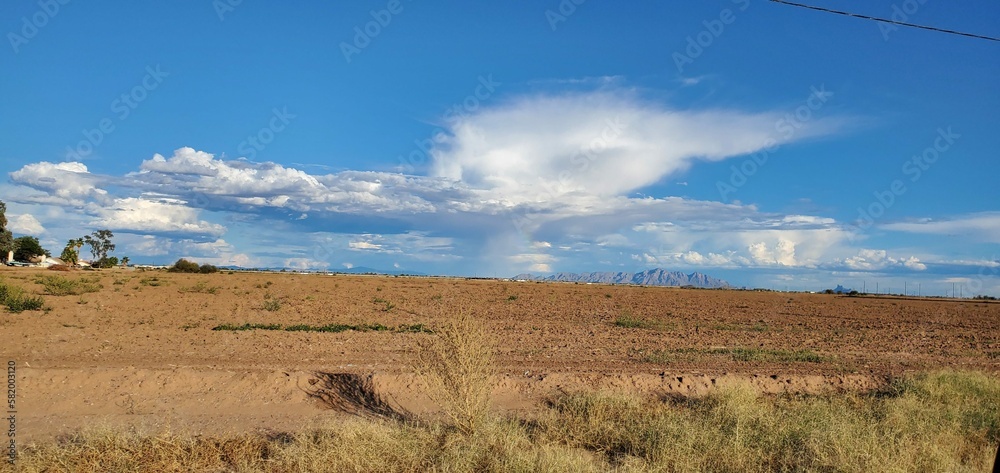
(458,364)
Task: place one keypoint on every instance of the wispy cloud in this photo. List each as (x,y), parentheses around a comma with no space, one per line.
(982,226)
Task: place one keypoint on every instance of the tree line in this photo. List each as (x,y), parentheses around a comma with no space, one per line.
(27,248)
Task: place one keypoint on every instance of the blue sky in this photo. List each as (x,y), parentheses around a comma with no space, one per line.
(769,145)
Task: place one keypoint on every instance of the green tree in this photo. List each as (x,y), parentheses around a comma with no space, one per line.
(124,260)
(100,246)
(28,247)
(184,266)
(6,238)
(71,254)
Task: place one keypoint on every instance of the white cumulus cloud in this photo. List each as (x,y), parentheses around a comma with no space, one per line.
(872,260)
(140,215)
(26,224)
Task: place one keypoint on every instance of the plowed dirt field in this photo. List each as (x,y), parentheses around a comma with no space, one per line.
(142,352)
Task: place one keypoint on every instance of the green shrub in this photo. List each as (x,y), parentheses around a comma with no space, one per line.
(328,328)
(299,328)
(231,327)
(154,281)
(736,354)
(106,262)
(184,266)
(331,328)
(415,328)
(628,321)
(61,286)
(16,300)
(761,354)
(23,302)
(272,305)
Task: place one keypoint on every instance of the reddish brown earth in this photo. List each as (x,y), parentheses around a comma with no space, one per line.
(142,352)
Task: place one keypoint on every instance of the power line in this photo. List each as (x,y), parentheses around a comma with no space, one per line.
(883,20)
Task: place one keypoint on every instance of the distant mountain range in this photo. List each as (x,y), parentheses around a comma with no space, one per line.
(652,277)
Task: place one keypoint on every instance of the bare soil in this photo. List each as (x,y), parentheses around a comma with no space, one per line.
(141,353)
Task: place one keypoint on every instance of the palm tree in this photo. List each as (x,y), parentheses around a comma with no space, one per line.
(71,254)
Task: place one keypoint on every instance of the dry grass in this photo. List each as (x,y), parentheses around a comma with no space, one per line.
(946,421)
(941,422)
(109,451)
(353,446)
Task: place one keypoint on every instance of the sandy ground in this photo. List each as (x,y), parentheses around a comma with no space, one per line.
(141,352)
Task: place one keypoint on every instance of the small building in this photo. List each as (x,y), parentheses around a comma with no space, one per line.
(50,261)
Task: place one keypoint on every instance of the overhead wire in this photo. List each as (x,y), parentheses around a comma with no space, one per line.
(884,20)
